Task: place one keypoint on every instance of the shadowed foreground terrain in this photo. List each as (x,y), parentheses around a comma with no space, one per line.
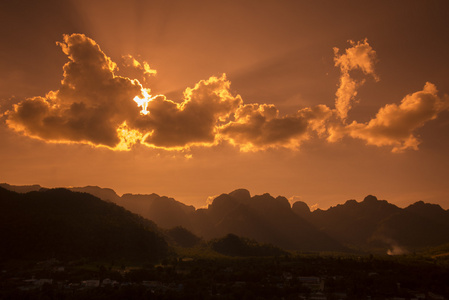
(62,224)
(62,244)
(306,276)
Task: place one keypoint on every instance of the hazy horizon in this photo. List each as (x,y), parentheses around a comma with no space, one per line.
(210,199)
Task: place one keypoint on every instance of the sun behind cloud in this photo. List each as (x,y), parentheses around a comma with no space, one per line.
(95,106)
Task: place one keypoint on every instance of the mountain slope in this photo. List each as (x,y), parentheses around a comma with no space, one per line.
(418,225)
(263,218)
(166,212)
(376,224)
(353,223)
(64,224)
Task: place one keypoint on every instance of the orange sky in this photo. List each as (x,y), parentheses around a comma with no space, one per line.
(320,101)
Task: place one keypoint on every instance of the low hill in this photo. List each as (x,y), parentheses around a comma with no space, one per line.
(179,236)
(233,245)
(58,223)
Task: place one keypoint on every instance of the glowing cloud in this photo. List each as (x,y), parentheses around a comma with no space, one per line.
(128,137)
(360,56)
(195,120)
(394,125)
(95,106)
(90,104)
(258,126)
(142,67)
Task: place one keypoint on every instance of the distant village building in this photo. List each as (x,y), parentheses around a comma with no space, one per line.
(93,283)
(313,283)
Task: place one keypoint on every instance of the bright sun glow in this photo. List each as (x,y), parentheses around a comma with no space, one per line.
(143,102)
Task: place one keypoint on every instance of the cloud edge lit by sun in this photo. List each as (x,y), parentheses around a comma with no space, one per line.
(97,107)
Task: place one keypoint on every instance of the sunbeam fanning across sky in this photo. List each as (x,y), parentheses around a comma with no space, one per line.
(322,102)
(93,102)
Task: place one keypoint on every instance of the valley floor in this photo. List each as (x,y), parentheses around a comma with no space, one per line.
(301,276)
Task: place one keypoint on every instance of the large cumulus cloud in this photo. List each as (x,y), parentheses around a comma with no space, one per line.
(94,105)
(195,120)
(90,104)
(395,125)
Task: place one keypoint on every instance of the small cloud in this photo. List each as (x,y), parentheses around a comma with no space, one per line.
(143,67)
(395,249)
(294,199)
(360,56)
(314,207)
(346,93)
(209,201)
(7,105)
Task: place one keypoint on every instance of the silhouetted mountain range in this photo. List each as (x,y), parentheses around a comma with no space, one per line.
(376,224)
(369,225)
(263,218)
(21,188)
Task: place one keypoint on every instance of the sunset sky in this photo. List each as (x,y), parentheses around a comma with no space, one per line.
(319,101)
